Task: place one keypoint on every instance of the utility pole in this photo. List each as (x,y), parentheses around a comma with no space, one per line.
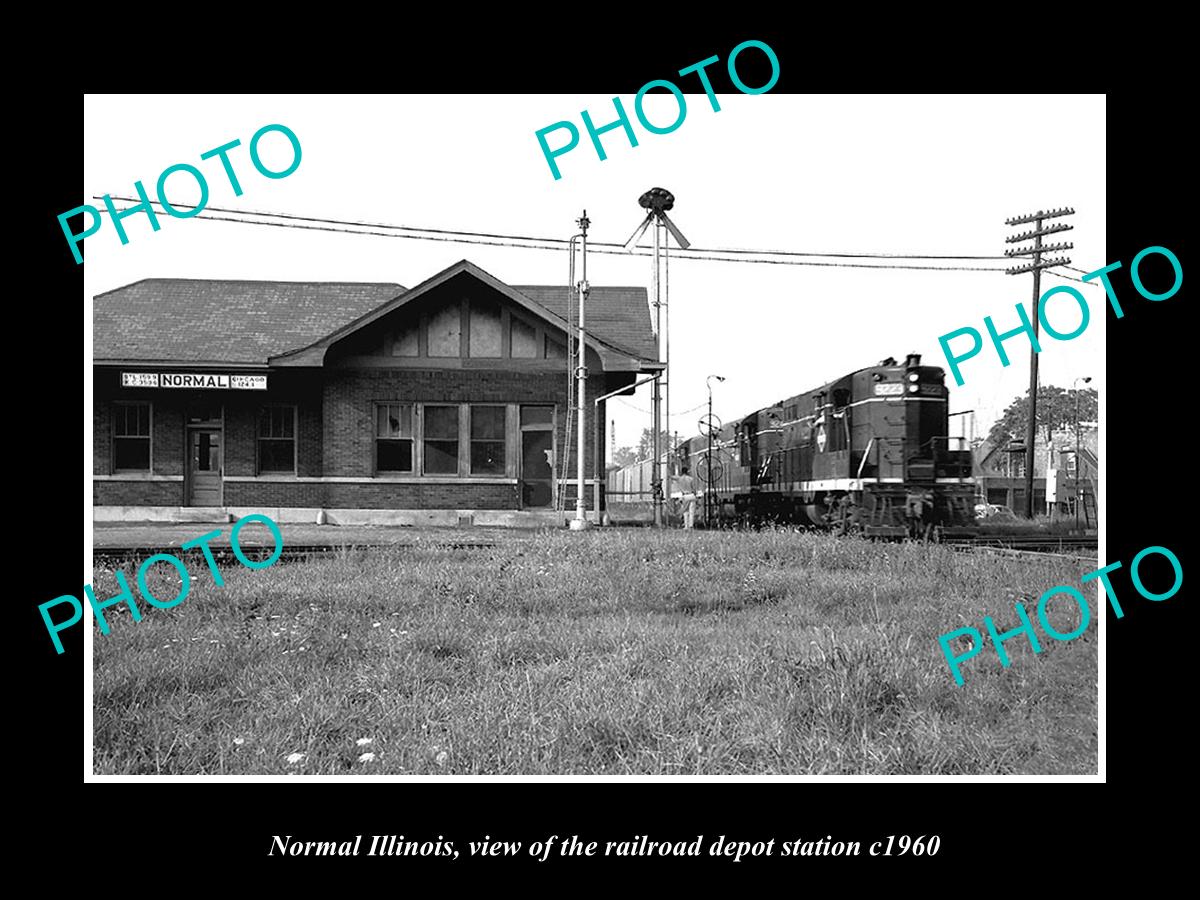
(580,522)
(708,425)
(1035,267)
(1078,467)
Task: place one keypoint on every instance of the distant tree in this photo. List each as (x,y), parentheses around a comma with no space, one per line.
(1055,411)
(624,456)
(645,447)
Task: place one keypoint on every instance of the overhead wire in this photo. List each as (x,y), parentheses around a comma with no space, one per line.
(1071,277)
(529,242)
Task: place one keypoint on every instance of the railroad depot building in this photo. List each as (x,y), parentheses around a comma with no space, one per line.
(354,403)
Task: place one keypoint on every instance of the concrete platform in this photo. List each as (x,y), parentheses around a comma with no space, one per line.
(127,535)
(446,518)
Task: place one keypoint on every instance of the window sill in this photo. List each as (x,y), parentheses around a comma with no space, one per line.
(369,479)
(136,476)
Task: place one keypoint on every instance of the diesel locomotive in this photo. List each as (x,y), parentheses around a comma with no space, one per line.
(870,452)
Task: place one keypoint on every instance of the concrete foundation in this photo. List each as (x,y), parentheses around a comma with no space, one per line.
(510,518)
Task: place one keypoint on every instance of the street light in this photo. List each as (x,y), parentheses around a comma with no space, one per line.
(708,457)
(1078,480)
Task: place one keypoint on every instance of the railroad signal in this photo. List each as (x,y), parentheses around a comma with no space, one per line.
(710,425)
(656,202)
(711,469)
(1035,266)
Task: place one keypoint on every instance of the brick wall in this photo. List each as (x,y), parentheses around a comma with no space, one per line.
(274,493)
(241,429)
(101,434)
(137,493)
(350,396)
(167,439)
(383,495)
(335,436)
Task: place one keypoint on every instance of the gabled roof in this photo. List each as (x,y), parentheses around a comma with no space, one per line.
(242,322)
(623,321)
(280,323)
(618,315)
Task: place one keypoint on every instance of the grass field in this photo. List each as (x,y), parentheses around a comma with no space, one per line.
(611,651)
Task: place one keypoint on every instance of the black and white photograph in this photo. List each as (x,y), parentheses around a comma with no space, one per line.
(702,432)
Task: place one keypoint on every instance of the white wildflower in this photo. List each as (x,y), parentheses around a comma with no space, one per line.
(362,742)
(367,757)
(293,758)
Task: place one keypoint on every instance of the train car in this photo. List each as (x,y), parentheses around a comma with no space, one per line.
(870,452)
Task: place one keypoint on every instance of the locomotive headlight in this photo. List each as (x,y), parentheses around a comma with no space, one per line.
(912,388)
(913,376)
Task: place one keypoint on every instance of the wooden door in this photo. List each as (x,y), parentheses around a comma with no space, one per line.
(537,469)
(204,467)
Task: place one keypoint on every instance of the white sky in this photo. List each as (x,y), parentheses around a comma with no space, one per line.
(932,175)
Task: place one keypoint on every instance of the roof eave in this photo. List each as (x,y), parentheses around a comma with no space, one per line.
(314,354)
(180,363)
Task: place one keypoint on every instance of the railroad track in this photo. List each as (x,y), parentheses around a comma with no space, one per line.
(290,552)
(1073,548)
(1031,542)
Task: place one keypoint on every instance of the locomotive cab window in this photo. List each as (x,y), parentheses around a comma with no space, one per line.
(745,434)
(841,399)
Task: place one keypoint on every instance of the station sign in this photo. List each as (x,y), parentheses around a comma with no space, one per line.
(202,380)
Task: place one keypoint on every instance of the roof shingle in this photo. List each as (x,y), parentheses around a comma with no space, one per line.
(247,322)
(190,320)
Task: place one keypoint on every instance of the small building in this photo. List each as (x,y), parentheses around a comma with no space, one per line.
(446,403)
(1000,473)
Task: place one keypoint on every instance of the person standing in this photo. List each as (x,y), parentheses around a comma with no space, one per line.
(687,497)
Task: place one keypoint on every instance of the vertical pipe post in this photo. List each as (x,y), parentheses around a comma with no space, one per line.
(669,451)
(708,485)
(580,521)
(656,478)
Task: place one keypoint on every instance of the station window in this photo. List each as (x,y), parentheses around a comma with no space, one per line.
(131,437)
(441,440)
(393,437)
(277,439)
(488,439)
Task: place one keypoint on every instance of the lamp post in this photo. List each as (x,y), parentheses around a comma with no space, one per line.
(1078,481)
(580,522)
(708,456)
